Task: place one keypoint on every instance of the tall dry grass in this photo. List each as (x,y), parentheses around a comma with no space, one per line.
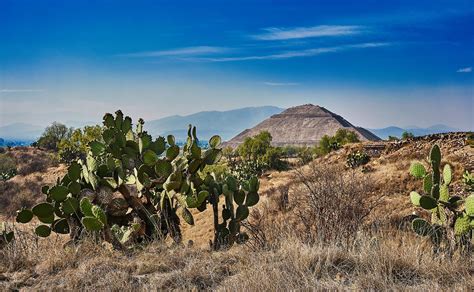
(395,261)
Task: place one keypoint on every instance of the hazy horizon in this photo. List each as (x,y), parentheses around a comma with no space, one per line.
(375,64)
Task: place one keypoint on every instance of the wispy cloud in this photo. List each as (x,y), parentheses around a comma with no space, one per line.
(275,33)
(465,70)
(20,90)
(281,83)
(292,54)
(186,51)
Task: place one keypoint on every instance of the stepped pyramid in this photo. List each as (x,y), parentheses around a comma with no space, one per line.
(302,125)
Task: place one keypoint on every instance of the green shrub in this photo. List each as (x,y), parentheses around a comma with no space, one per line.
(357,158)
(342,137)
(76,145)
(407,135)
(273,159)
(52,135)
(257,155)
(8,167)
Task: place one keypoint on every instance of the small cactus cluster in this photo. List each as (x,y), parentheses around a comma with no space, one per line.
(357,158)
(238,197)
(452,217)
(130,185)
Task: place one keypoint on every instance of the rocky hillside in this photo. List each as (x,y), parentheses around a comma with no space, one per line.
(302,125)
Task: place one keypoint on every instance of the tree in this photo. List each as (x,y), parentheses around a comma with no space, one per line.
(392,138)
(407,135)
(255,147)
(52,135)
(77,145)
(342,136)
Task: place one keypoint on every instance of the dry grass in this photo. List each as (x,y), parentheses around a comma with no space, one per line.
(383,261)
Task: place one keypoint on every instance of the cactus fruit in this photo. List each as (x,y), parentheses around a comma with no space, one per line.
(451,216)
(127,174)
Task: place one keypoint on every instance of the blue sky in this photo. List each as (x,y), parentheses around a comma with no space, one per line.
(376,63)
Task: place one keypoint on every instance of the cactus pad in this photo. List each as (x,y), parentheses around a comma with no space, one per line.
(461,225)
(59,193)
(61,226)
(24,216)
(74,171)
(215,141)
(435,155)
(421,227)
(187,216)
(415,198)
(92,223)
(252,199)
(86,207)
(417,170)
(469,203)
(428,202)
(43,231)
(427,184)
(444,193)
(43,210)
(242,213)
(447,174)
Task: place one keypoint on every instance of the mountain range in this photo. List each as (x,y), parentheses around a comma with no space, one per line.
(397,131)
(227,124)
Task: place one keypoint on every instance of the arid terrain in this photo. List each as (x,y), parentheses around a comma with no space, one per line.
(366,246)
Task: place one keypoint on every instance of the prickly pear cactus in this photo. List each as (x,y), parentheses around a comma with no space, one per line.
(128,175)
(452,217)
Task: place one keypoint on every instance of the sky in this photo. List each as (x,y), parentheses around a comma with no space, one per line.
(376,63)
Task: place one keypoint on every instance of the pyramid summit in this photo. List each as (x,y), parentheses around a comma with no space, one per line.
(302,125)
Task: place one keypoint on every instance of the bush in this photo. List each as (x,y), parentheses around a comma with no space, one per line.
(305,154)
(357,158)
(245,169)
(407,135)
(52,135)
(77,145)
(342,137)
(7,163)
(333,204)
(220,170)
(273,159)
(255,147)
(257,155)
